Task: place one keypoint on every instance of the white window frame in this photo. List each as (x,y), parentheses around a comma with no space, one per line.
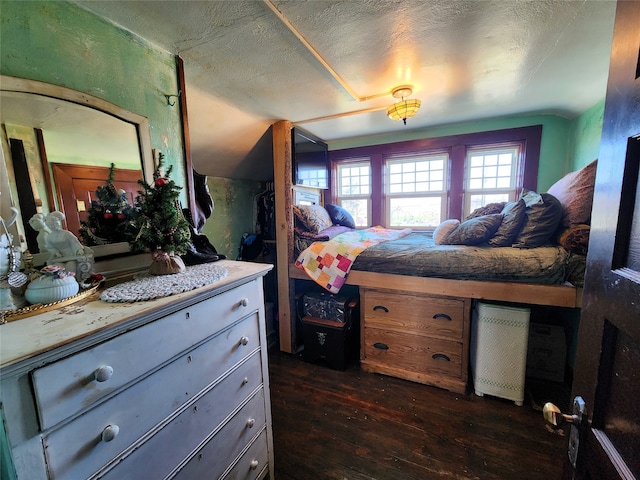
(503,193)
(420,183)
(343,197)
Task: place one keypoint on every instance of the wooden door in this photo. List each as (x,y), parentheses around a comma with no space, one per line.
(607,369)
(76,186)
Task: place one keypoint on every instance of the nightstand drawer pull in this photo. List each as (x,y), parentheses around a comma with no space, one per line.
(381,346)
(440,356)
(104,373)
(381,307)
(244,340)
(254,464)
(442,315)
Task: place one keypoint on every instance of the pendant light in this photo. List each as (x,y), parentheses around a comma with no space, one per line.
(404,108)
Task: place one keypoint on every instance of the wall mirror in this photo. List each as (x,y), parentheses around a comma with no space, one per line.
(57,147)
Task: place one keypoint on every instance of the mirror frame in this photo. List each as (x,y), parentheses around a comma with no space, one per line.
(141,124)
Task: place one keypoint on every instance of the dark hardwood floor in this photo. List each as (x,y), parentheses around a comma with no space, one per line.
(353,425)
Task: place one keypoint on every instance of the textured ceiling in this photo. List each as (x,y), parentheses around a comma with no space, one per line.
(250,63)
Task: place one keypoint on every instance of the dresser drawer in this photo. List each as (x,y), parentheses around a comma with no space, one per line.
(159,455)
(77,449)
(215,457)
(253,464)
(70,385)
(413,353)
(415,314)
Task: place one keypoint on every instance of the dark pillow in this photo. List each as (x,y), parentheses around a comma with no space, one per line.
(475,230)
(575,192)
(543,215)
(575,239)
(339,216)
(513,215)
(488,209)
(313,218)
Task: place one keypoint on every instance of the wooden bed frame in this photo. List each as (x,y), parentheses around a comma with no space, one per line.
(287,273)
(527,293)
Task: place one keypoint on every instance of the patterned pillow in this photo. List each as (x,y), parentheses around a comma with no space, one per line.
(575,192)
(575,239)
(443,230)
(543,215)
(513,218)
(475,230)
(313,218)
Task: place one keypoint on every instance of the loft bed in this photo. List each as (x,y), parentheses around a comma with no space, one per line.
(538,292)
(417,291)
(538,276)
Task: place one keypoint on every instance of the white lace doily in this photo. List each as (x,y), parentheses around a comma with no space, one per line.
(148,287)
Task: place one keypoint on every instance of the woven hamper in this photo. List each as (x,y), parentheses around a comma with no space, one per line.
(499,336)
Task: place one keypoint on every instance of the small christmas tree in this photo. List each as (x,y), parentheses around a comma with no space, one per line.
(161,227)
(109,217)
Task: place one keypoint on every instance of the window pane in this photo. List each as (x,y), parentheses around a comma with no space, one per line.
(420,173)
(477,201)
(415,211)
(359,209)
(491,168)
(354,179)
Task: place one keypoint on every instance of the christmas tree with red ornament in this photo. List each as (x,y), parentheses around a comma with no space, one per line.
(109,216)
(158,218)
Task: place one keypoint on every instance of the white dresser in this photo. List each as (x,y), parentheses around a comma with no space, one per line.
(171,388)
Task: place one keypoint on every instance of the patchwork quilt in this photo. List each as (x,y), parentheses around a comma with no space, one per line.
(328,263)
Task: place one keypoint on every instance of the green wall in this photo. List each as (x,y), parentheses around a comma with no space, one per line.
(233,213)
(586,132)
(61,44)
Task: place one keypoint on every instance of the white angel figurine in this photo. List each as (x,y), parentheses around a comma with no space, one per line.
(37,223)
(65,249)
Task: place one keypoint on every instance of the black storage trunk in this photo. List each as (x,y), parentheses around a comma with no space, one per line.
(330,324)
(328,340)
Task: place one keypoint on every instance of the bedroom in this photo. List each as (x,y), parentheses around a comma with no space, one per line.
(142,89)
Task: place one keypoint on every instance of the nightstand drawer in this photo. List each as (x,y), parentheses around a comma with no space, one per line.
(68,386)
(415,314)
(83,446)
(413,353)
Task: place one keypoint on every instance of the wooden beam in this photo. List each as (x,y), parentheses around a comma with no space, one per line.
(283,184)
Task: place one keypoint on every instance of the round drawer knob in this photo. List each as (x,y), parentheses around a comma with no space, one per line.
(103,373)
(244,340)
(254,464)
(244,302)
(110,432)
(251,422)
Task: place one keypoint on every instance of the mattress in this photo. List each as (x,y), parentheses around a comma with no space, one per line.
(418,255)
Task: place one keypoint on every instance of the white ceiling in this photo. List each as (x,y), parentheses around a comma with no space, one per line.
(250,63)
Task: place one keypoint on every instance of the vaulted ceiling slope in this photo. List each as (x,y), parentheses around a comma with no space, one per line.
(330,65)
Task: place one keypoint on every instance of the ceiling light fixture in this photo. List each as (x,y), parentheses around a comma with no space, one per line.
(404,108)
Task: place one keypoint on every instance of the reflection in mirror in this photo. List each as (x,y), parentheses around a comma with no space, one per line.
(58,145)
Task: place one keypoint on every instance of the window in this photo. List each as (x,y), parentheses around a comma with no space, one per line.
(420,183)
(490,176)
(354,190)
(416,190)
